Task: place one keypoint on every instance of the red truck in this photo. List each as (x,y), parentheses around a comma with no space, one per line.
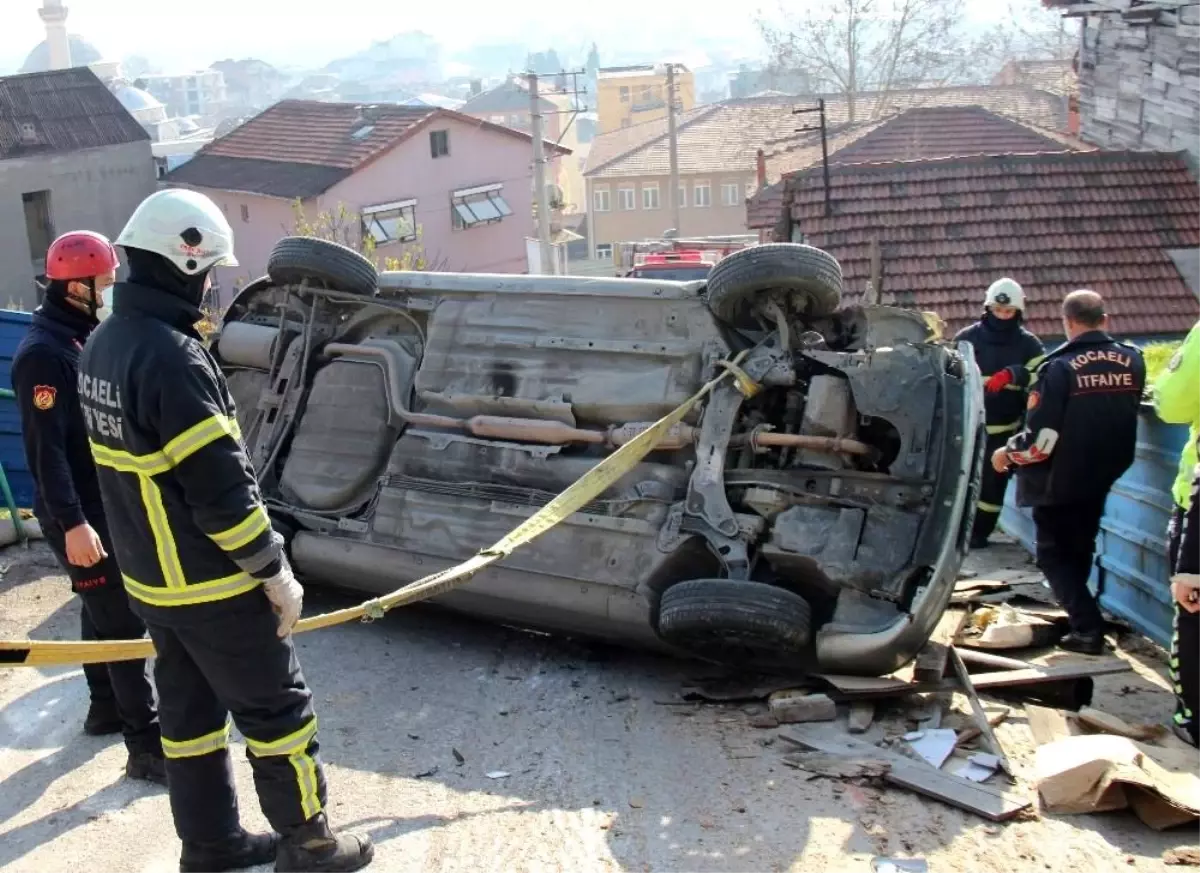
(677,260)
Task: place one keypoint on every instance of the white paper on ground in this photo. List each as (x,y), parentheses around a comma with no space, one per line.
(935,745)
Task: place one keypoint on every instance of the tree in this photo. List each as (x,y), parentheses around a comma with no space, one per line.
(851,47)
(343,226)
(1030,32)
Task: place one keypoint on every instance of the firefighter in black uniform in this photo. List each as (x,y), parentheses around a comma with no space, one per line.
(201,562)
(1079,437)
(1007,355)
(80,267)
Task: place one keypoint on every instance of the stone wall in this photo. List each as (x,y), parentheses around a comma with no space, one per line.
(1139,78)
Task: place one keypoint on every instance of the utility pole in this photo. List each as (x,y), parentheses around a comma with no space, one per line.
(539,177)
(673,148)
(821,126)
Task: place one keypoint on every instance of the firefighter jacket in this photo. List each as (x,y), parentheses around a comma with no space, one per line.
(1189,542)
(184,507)
(44,371)
(1004,345)
(1177,401)
(1081,425)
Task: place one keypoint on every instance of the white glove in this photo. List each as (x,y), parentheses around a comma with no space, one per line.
(286,596)
(1186,589)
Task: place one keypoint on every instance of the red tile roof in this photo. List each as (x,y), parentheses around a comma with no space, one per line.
(1054,222)
(724,137)
(290,138)
(933,132)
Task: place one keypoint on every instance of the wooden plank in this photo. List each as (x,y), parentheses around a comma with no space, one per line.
(988,801)
(981,719)
(931,661)
(1049,725)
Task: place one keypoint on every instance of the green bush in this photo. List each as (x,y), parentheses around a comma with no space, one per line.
(1157,355)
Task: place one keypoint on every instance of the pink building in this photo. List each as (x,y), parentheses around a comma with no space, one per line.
(458,187)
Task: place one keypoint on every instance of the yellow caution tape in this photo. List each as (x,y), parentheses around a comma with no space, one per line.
(593,483)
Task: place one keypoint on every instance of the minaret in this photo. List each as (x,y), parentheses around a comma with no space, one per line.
(54,14)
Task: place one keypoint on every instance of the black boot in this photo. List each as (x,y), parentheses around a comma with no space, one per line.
(1085,644)
(238,852)
(102,719)
(314,847)
(147,766)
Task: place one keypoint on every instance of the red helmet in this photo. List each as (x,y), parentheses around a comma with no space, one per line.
(80,254)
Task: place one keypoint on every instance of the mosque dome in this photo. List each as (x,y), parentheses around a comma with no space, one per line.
(82,54)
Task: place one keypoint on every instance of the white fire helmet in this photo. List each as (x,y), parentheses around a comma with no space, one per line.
(185,227)
(1005,292)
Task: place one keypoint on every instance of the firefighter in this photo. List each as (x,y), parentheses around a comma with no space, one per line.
(80,268)
(1177,400)
(1079,437)
(201,562)
(1007,355)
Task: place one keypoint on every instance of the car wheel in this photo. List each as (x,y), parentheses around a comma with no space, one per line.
(728,619)
(296,259)
(810,279)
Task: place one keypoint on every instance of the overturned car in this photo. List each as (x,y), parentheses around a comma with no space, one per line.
(402,421)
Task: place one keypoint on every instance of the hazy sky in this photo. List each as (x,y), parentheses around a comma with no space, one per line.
(302,32)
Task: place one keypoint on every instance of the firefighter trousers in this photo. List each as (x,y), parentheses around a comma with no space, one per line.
(1185,646)
(224,659)
(1066,545)
(105,614)
(992,486)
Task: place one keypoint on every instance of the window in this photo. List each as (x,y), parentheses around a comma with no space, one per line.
(390,222)
(499,119)
(601,200)
(682,195)
(245,212)
(625,199)
(702,194)
(650,196)
(604,251)
(731,194)
(439,143)
(624,93)
(39,228)
(471,207)
(751,187)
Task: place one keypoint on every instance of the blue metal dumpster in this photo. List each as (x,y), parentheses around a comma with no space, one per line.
(1131,567)
(13,325)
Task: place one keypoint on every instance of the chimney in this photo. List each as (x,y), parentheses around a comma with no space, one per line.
(761,168)
(54,16)
(1073,115)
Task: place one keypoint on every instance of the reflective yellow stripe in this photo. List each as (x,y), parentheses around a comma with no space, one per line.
(213,742)
(164,543)
(988,507)
(198,436)
(124,462)
(190,595)
(1002,428)
(295,742)
(1033,363)
(243,532)
(306,780)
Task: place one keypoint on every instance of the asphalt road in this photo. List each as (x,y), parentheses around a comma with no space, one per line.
(462,746)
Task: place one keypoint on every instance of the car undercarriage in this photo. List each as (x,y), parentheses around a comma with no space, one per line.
(810,514)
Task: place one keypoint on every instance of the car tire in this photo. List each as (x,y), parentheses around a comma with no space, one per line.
(811,279)
(728,619)
(297,259)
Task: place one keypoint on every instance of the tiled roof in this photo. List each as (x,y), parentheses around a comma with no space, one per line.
(254,176)
(68,109)
(725,136)
(509,97)
(933,132)
(1054,222)
(289,139)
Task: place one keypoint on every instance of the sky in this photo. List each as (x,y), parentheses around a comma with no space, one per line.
(309,34)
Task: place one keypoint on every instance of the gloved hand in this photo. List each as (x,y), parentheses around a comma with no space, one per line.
(286,596)
(998,381)
(1186,588)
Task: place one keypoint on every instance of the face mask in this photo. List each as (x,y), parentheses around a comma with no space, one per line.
(105,294)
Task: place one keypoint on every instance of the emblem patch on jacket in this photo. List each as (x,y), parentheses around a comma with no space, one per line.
(1034,398)
(43,396)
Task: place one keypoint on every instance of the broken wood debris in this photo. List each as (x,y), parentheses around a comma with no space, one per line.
(794,707)
(930,664)
(820,764)
(992,803)
(981,720)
